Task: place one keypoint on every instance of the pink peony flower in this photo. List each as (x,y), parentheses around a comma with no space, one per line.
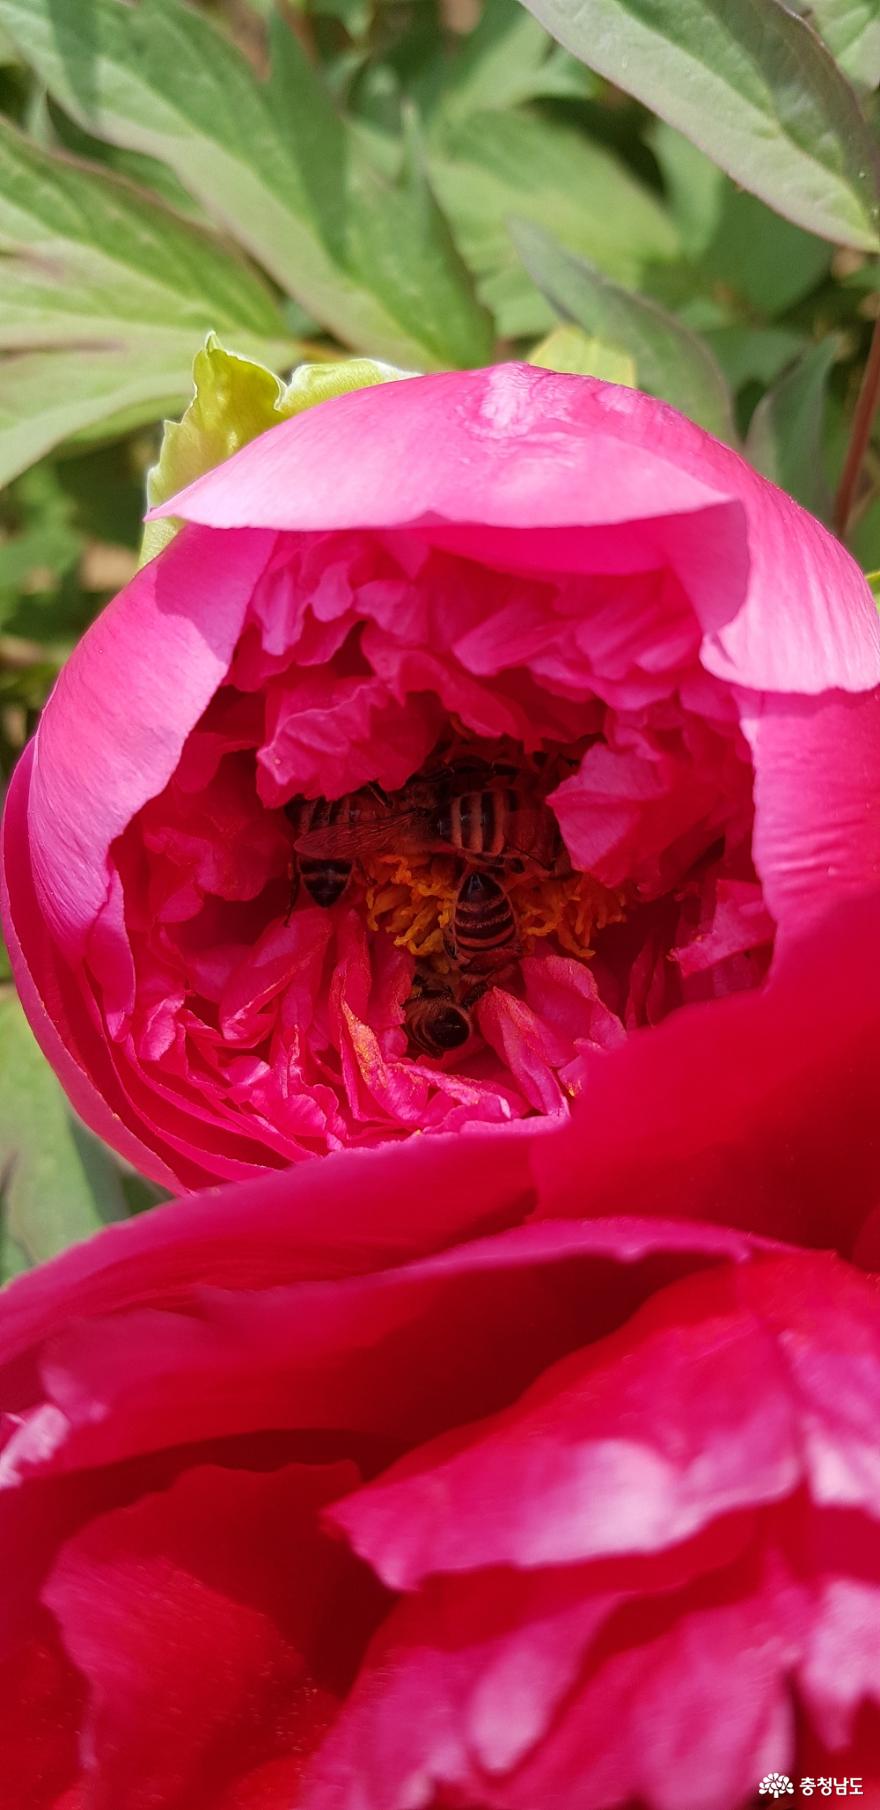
(404,1481)
(507,573)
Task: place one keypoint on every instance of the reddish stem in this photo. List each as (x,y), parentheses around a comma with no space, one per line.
(866,405)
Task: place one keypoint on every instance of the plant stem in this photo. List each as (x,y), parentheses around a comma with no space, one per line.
(866,405)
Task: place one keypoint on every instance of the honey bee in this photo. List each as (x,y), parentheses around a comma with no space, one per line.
(435,1020)
(466,806)
(458,773)
(330,833)
(484,941)
(501,825)
(432,814)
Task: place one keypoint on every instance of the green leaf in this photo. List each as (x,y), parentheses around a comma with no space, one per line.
(272,161)
(234,400)
(766,263)
(146,172)
(48,397)
(570,349)
(92,260)
(785,439)
(57,1183)
(694,186)
(502,62)
(105,291)
(753,86)
(753,354)
(493,165)
(863,539)
(671,362)
(738,246)
(851,29)
(41,541)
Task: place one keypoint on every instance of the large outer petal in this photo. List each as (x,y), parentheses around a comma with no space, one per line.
(108,740)
(58,1008)
(501,1668)
(531,1693)
(191,1613)
(817,801)
(759,1110)
(730,1389)
(166,1145)
(338,1220)
(191,1363)
(115,725)
(518,449)
(363,1295)
(628,1685)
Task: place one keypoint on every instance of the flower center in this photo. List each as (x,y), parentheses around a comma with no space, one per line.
(519,827)
(463,868)
(413,899)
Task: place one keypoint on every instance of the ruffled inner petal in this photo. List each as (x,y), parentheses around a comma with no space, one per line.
(283,1024)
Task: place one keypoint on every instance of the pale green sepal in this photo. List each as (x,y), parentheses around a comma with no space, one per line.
(874,582)
(313,383)
(234,400)
(580,354)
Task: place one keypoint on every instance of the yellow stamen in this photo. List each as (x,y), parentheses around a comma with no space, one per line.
(569,907)
(411,898)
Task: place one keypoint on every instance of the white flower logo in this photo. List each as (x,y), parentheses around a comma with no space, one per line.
(775,1785)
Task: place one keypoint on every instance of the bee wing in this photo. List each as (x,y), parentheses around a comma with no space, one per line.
(398,832)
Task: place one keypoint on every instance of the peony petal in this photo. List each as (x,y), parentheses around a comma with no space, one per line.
(122,707)
(237,1360)
(595,1687)
(759,1110)
(521,449)
(735,921)
(503,446)
(345,1220)
(684,1648)
(60,1015)
(817,802)
(426,1709)
(573,1689)
(41,1701)
(192,1614)
(709,1400)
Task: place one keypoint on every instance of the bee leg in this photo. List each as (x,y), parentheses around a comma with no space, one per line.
(293,876)
(473,994)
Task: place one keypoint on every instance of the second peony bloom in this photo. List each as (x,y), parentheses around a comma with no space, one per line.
(470,723)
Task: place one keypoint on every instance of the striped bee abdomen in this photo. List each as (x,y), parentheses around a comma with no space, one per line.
(483,921)
(435,1020)
(325,880)
(476,822)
